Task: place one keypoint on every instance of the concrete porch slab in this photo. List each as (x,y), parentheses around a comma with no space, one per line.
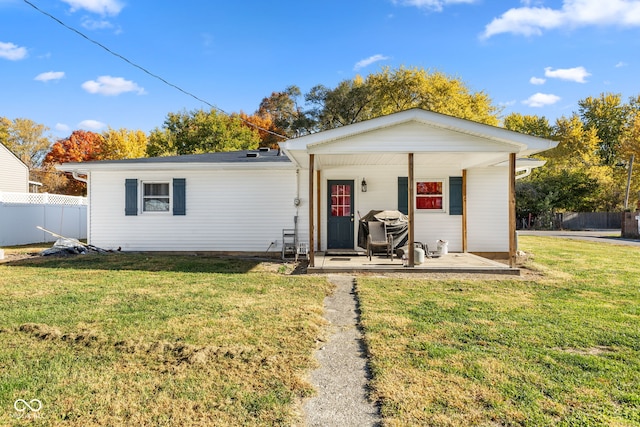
(449,263)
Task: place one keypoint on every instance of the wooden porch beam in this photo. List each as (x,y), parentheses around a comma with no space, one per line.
(512,210)
(312,252)
(464,210)
(318,209)
(411,257)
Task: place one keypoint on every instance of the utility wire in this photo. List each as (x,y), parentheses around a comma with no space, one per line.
(144,70)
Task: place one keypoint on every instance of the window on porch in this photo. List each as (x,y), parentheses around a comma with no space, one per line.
(430,195)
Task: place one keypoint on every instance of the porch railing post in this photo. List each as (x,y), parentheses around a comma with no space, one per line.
(312,252)
(464,210)
(411,255)
(318,211)
(512,210)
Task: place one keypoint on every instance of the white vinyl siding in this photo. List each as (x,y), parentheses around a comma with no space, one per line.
(382,194)
(246,210)
(488,209)
(230,210)
(410,137)
(14,175)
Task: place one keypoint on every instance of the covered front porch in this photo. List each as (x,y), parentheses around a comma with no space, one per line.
(358,262)
(453,179)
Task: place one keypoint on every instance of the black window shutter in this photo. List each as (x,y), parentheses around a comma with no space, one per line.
(131,197)
(403,197)
(455,195)
(179,196)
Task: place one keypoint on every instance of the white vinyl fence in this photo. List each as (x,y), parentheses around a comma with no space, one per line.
(21,213)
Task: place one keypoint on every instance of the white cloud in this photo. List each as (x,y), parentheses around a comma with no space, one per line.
(528,3)
(576,74)
(541,99)
(111,86)
(91,125)
(91,24)
(434,5)
(12,52)
(102,7)
(537,81)
(61,127)
(368,61)
(49,75)
(529,21)
(621,64)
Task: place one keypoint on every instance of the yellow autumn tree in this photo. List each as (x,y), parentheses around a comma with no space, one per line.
(394,90)
(404,88)
(26,139)
(630,146)
(123,144)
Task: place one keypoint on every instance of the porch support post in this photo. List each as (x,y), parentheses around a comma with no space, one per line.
(318,213)
(464,210)
(411,256)
(512,210)
(312,252)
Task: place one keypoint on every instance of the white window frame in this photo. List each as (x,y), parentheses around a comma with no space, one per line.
(143,197)
(445,190)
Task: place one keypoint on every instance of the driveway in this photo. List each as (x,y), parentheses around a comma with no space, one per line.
(608,236)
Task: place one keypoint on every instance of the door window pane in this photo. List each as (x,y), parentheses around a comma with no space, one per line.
(341,200)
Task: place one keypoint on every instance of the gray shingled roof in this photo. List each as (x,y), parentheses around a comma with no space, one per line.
(271,156)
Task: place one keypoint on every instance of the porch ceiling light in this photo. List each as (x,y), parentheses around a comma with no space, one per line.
(363,186)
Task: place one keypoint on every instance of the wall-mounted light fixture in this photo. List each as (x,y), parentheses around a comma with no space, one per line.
(363,186)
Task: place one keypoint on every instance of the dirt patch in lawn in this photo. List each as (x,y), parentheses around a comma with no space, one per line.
(591,351)
(173,353)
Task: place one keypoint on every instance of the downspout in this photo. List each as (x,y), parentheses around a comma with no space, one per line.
(526,173)
(78,177)
(296,201)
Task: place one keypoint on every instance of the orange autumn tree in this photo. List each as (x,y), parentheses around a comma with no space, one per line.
(265,127)
(80,146)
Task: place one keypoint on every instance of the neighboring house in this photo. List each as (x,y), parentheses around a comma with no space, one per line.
(14,173)
(21,212)
(455,179)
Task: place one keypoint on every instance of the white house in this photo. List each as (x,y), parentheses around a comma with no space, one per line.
(454,178)
(14,174)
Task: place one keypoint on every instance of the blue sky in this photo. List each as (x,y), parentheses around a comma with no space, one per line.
(532,57)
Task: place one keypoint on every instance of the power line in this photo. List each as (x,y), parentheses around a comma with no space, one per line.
(144,70)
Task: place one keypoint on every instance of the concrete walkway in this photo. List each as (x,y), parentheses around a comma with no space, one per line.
(341,380)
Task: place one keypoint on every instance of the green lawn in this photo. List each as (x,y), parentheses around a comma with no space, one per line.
(126,339)
(559,348)
(131,339)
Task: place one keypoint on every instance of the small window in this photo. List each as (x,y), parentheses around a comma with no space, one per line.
(430,195)
(155,197)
